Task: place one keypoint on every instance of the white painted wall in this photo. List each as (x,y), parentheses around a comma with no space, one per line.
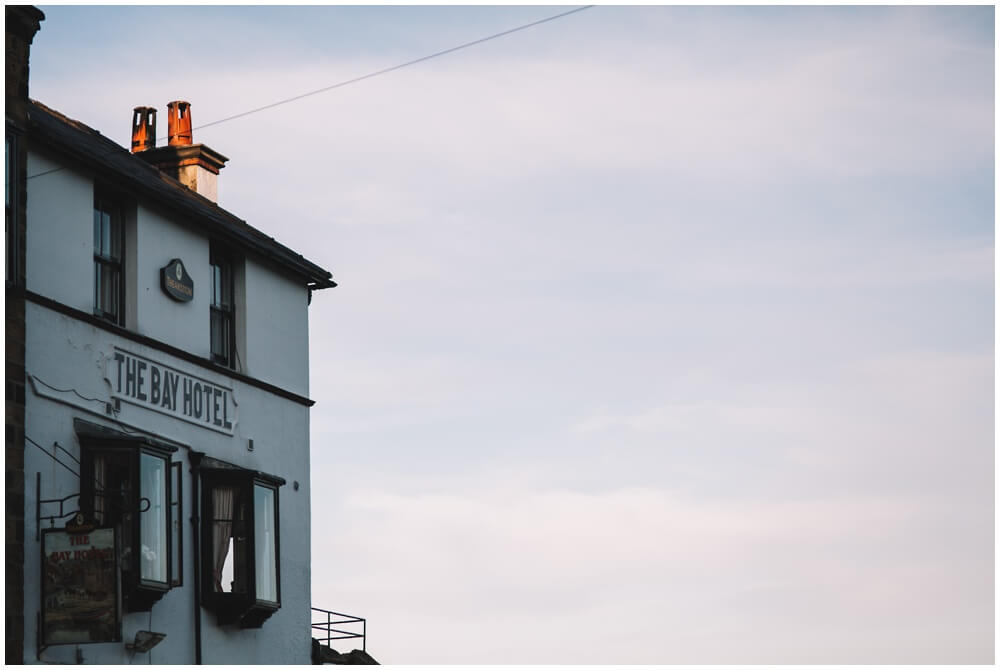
(69,354)
(183,324)
(60,237)
(272,310)
(277,329)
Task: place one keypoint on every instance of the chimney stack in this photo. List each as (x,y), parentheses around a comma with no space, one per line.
(143,128)
(194,165)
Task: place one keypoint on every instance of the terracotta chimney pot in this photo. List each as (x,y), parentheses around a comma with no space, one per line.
(143,128)
(178,123)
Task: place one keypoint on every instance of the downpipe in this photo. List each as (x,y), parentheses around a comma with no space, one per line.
(196,523)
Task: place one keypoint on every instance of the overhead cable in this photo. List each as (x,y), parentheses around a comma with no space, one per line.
(370,75)
(387,70)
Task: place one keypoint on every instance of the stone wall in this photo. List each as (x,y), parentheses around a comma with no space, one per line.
(22,22)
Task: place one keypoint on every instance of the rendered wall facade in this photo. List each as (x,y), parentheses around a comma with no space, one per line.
(67,361)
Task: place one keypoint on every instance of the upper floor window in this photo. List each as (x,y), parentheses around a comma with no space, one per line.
(109,243)
(223,335)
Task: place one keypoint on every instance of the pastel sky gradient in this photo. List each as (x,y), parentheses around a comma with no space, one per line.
(663,334)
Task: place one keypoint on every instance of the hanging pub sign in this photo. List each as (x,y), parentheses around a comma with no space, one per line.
(163,388)
(79,587)
(176,282)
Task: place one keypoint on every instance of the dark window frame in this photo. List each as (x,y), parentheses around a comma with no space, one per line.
(177,522)
(124,509)
(223,282)
(108,202)
(239,606)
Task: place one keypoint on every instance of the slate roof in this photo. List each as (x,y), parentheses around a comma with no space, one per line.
(90,149)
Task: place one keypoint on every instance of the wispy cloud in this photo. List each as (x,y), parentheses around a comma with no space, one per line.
(553,565)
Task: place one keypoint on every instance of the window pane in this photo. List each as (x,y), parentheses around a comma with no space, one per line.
(228,574)
(225,299)
(108,278)
(97,230)
(264,544)
(228,540)
(105,233)
(219,340)
(115,231)
(97,288)
(216,282)
(116,278)
(153,521)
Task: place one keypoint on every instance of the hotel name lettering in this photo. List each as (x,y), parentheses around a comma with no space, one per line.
(165,389)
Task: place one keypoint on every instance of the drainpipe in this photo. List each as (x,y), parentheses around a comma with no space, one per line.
(196,523)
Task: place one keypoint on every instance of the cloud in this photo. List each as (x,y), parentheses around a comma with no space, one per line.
(534,573)
(662,336)
(839,515)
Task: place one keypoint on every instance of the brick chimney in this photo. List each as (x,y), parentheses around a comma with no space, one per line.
(194,165)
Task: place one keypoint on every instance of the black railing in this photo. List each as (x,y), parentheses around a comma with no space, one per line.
(323,622)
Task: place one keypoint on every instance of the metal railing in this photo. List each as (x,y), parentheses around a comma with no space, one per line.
(323,621)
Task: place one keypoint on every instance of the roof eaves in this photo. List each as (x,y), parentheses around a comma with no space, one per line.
(89,147)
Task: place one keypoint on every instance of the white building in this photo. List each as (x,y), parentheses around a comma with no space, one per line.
(166,406)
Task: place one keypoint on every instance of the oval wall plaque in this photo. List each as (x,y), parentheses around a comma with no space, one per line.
(176,282)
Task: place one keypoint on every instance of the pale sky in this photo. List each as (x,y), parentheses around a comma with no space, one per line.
(663,334)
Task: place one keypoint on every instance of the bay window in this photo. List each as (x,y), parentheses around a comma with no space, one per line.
(126,483)
(241,552)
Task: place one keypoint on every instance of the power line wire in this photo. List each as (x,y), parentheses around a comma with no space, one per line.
(387,70)
(370,75)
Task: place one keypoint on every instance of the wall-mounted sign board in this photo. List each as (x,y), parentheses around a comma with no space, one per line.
(176,282)
(79,587)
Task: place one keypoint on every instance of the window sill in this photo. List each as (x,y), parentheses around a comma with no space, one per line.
(240,609)
(142,598)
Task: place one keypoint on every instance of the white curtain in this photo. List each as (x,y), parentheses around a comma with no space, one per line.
(222,528)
